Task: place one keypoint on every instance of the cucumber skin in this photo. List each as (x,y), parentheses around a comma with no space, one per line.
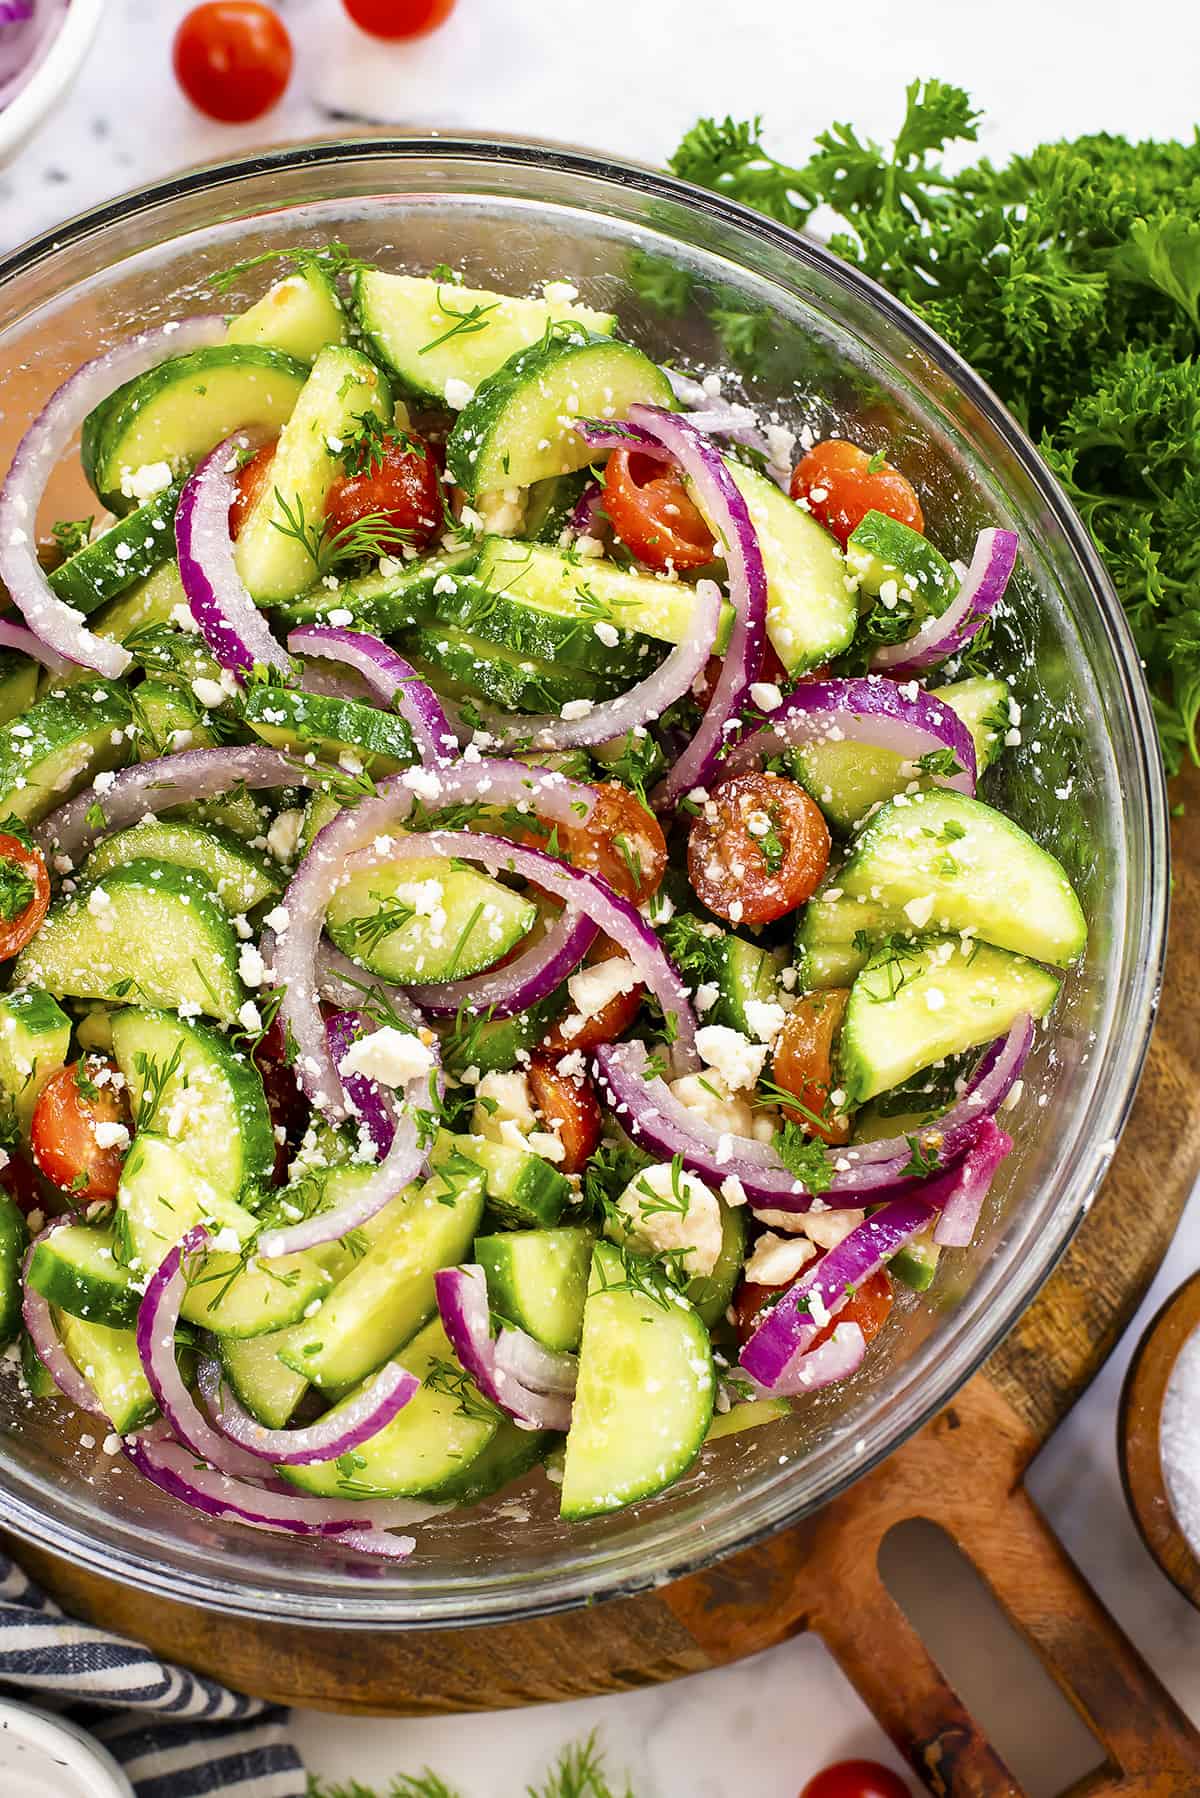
(14,1239)
(96,573)
(75,724)
(111,1302)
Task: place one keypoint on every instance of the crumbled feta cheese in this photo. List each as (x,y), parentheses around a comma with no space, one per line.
(738,1061)
(110,1136)
(503,1099)
(457,393)
(935,998)
(732,1191)
(208,692)
(594,987)
(341,616)
(278,920)
(670,1210)
(766,695)
(765,1018)
(144,482)
(249,1016)
(778,1259)
(608,634)
(390,1056)
(559,293)
(919,911)
(283,838)
(828,1228)
(502,510)
(707,994)
(576,708)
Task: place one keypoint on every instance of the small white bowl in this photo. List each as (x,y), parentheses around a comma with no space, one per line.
(48,1757)
(50,80)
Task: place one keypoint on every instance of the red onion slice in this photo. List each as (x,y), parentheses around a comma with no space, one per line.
(615,916)
(836,1359)
(534,1366)
(607,719)
(531,977)
(982,589)
(873,711)
(976,1171)
(374,1111)
(785,1331)
(171,780)
(47,1345)
(585,520)
(462,1298)
(230,622)
(352,1524)
(59,626)
(544,793)
(158,1316)
(20,637)
(331,1436)
(344,984)
(393,681)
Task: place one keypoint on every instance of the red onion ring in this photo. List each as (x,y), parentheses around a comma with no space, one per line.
(171,780)
(466,1317)
(47,1345)
(172,1468)
(157,1318)
(836,1359)
(60,627)
(785,1332)
(373,1110)
(230,622)
(976,1171)
(584,521)
(532,1365)
(521,983)
(546,794)
(609,719)
(20,637)
(945,634)
(331,1436)
(872,711)
(391,679)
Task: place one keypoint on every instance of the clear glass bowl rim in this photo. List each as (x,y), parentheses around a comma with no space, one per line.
(1146,813)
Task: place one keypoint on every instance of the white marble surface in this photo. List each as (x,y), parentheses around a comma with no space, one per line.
(628,78)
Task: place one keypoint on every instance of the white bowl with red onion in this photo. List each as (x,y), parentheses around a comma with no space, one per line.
(42,47)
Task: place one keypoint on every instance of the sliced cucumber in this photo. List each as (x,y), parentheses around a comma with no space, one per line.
(508,1457)
(834,936)
(109,1360)
(37,1380)
(177,412)
(131,550)
(422,921)
(517,429)
(18,684)
(917,1263)
(711,1293)
(415,325)
(433,1440)
(383,603)
(151,601)
(167,720)
(494,1044)
(149,933)
(549,505)
(469,668)
(76,1269)
(60,744)
(162,1194)
(746,976)
(186,1082)
(848,779)
(912,1006)
(747,1416)
(523,1189)
(240,877)
(811,610)
(592,591)
(388,1294)
(551,633)
(272,560)
(35,1035)
(269,1390)
(957,864)
(644,1401)
(14,1240)
(298,315)
(884,553)
(538,1280)
(331,728)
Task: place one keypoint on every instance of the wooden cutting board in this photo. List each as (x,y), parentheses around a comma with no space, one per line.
(964,1471)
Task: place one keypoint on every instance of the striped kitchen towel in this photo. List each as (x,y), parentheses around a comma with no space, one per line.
(176,1735)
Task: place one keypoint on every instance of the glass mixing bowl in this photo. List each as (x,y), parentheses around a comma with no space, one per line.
(824,347)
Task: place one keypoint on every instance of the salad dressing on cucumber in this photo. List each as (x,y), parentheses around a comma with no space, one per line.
(509,959)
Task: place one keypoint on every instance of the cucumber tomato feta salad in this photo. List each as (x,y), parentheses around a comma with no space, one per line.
(506,958)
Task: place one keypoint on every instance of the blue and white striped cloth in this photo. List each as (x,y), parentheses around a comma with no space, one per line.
(176,1735)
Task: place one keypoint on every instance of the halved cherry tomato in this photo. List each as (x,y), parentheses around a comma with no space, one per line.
(398,18)
(770,668)
(606,1025)
(856,1779)
(74,1104)
(803,1058)
(868,1307)
(622,842)
(20,1182)
(570,1107)
(404,490)
(653,514)
(837,480)
(758,849)
(24,893)
(233,59)
(251,485)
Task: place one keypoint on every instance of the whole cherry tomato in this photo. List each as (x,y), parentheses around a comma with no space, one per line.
(758,848)
(569,1105)
(233,59)
(398,487)
(251,485)
(856,1779)
(842,484)
(803,1062)
(653,514)
(24,893)
(80,1128)
(605,1025)
(398,18)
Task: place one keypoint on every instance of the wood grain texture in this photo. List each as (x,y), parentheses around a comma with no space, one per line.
(963,1471)
(1138,1437)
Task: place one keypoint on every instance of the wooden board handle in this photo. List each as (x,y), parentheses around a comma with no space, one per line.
(962,1472)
